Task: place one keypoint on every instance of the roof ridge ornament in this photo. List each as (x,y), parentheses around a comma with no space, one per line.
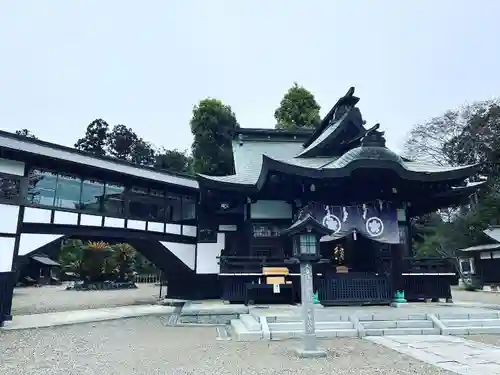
(373,137)
(344,104)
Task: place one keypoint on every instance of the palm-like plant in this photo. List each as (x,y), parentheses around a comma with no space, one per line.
(95,256)
(124,258)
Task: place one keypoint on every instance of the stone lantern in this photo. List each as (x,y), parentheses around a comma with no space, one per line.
(305,234)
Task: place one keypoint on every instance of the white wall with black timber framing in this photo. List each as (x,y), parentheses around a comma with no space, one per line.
(34,215)
(207,255)
(9,219)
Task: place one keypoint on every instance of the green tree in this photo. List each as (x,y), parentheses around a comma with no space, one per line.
(71,256)
(95,257)
(298,109)
(479,140)
(461,136)
(213,125)
(173,161)
(120,141)
(142,153)
(95,139)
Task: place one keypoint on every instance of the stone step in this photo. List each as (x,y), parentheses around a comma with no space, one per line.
(402,331)
(475,315)
(461,331)
(385,324)
(250,322)
(320,333)
(471,322)
(299,326)
(239,332)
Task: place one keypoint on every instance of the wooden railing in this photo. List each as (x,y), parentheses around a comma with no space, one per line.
(147,279)
(250,264)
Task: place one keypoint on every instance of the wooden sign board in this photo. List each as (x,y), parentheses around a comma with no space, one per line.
(342,269)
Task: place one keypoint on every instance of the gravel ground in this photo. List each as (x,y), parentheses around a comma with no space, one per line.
(146,346)
(485,339)
(56,298)
(478,296)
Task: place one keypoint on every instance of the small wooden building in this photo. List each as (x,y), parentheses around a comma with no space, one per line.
(483,261)
(39,269)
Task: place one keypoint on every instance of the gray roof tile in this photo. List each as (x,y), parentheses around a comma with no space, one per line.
(248,158)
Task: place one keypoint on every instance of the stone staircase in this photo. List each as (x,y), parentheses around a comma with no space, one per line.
(254,326)
(470,324)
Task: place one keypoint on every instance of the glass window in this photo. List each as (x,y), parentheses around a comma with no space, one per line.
(68,189)
(157,206)
(308,244)
(41,187)
(174,213)
(146,205)
(138,203)
(92,195)
(188,208)
(114,199)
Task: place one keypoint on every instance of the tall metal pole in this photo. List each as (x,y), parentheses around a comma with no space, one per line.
(309,348)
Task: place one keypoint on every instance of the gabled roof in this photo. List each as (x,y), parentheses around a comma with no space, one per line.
(32,146)
(301,226)
(255,160)
(348,100)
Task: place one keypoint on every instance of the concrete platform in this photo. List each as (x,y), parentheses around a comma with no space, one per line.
(285,322)
(84,316)
(210,312)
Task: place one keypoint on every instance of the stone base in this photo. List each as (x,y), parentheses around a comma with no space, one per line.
(304,353)
(399,304)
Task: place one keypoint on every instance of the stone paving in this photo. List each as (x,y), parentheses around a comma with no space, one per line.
(454,354)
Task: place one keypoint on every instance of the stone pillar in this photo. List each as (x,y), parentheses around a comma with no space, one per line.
(309,348)
(398,252)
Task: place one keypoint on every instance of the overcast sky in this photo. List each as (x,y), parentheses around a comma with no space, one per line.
(146,63)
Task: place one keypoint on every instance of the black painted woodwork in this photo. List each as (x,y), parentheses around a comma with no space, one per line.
(7,281)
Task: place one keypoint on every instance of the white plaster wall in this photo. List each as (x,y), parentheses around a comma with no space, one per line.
(173,229)
(36,215)
(12,167)
(9,216)
(136,224)
(271,210)
(32,241)
(156,227)
(67,218)
(189,230)
(6,253)
(114,222)
(90,220)
(207,253)
(185,252)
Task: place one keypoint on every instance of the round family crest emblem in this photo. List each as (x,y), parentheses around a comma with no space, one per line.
(374,226)
(332,222)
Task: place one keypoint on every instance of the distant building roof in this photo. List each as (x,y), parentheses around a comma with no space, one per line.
(482,247)
(45,260)
(493,232)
